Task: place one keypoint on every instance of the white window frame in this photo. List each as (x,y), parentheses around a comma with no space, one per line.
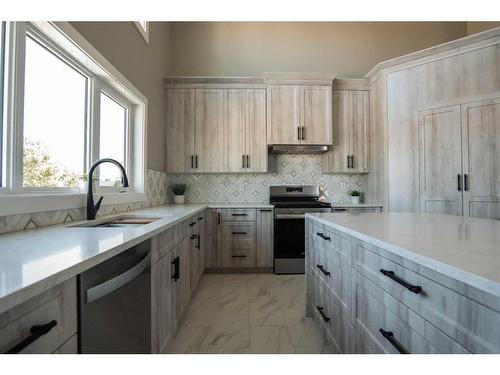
(144,31)
(67,44)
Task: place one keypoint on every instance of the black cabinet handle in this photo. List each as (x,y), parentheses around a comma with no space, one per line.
(459,182)
(218,218)
(322,269)
(238,256)
(175,263)
(389,336)
(191,224)
(239,214)
(239,232)
(242,161)
(298,133)
(303,133)
(36,332)
(352,161)
(326,238)
(325,318)
(348,160)
(196,161)
(266,210)
(248,161)
(412,288)
(466,182)
(198,245)
(200,218)
(192,161)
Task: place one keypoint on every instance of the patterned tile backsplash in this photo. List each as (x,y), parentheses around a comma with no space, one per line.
(210,188)
(254,188)
(156,192)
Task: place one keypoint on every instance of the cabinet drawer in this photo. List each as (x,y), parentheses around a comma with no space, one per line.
(327,310)
(333,242)
(473,325)
(238,244)
(239,214)
(162,243)
(57,304)
(387,326)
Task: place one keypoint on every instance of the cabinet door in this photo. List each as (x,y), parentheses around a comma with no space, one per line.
(209,130)
(256,147)
(238,244)
(179,130)
(440,164)
(201,249)
(283,114)
(161,290)
(213,237)
(481,158)
(316,114)
(359,110)
(236,124)
(265,237)
(335,160)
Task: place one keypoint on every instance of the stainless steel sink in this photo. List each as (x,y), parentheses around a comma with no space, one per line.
(128,221)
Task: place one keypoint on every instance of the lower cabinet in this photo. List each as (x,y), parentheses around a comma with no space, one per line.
(239,238)
(53,312)
(368,300)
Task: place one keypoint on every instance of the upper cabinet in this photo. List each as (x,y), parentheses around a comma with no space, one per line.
(349,153)
(299,109)
(216,127)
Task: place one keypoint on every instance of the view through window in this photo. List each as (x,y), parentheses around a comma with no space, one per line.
(2,75)
(54,120)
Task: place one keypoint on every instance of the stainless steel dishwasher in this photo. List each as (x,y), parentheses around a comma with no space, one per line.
(115,304)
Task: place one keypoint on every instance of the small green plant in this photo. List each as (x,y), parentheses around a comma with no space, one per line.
(179,189)
(354,193)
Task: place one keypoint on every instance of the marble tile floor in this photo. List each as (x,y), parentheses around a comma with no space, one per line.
(249,313)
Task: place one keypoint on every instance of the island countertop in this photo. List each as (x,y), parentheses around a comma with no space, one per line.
(465,249)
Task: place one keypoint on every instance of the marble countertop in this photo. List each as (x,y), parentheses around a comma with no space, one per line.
(35,260)
(462,248)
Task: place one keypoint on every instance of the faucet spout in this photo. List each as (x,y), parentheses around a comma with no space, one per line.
(91,208)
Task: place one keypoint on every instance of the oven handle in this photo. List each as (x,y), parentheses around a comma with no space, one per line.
(289,216)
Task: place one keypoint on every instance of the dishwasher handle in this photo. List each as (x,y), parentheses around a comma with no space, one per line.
(101,290)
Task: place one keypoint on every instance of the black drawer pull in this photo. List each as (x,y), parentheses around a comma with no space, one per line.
(389,336)
(325,318)
(193,223)
(238,256)
(175,263)
(36,333)
(322,269)
(266,210)
(239,214)
(198,245)
(412,288)
(326,238)
(239,232)
(200,218)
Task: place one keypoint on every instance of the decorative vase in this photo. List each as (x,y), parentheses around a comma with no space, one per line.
(179,199)
(355,200)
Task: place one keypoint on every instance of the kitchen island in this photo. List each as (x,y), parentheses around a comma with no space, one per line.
(405,282)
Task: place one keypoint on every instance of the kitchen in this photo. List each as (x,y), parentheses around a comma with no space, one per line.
(249,204)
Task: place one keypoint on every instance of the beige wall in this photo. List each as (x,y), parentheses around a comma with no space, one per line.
(350,49)
(143,64)
(477,27)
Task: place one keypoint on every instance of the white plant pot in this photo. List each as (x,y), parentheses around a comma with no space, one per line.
(179,199)
(355,200)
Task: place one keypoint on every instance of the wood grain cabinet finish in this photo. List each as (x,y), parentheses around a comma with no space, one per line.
(162,243)
(57,304)
(162,320)
(459,159)
(349,153)
(239,214)
(299,114)
(238,244)
(394,304)
(245,123)
(213,237)
(265,238)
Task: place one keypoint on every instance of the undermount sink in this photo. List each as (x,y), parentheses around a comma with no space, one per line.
(128,221)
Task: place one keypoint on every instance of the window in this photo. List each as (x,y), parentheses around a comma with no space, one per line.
(55,100)
(113,139)
(143,28)
(63,106)
(2,87)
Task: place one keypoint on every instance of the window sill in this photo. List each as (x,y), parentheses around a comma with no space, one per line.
(17,204)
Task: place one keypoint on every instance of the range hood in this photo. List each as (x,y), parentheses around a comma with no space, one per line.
(297,149)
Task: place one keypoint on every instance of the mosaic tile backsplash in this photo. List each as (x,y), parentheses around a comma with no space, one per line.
(156,192)
(254,188)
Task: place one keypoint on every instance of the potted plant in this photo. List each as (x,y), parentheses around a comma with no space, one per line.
(179,190)
(355,196)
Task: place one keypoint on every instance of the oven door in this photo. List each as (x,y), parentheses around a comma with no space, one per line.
(289,243)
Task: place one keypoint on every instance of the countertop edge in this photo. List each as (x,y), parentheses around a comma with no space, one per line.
(476,281)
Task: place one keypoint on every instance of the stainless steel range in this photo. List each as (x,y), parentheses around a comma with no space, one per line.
(291,203)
